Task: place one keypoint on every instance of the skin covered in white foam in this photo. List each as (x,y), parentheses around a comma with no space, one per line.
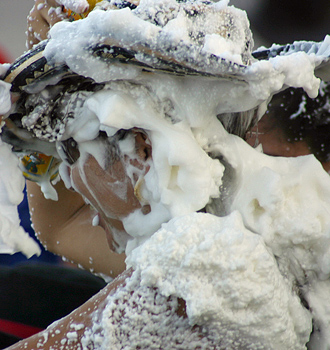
(174,174)
(270,193)
(286,201)
(228,278)
(192,109)
(126,107)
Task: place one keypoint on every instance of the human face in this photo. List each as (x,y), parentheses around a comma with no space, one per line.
(274,142)
(110,188)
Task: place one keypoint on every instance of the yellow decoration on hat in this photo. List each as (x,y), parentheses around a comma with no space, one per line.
(92,3)
(73,16)
(39,167)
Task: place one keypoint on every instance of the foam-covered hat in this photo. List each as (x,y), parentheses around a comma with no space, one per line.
(199,42)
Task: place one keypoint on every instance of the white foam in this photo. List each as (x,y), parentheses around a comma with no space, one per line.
(242,269)
(13,238)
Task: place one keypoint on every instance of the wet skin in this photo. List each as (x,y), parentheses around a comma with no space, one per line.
(274,142)
(110,191)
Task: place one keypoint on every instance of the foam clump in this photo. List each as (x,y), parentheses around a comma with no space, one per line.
(13,238)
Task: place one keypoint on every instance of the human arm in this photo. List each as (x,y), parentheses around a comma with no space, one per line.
(65,228)
(46,13)
(43,15)
(52,337)
(122,314)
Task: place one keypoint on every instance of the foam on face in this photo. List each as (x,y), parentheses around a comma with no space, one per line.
(225,269)
(272,195)
(175,173)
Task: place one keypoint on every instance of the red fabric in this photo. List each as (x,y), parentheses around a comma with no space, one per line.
(17,329)
(4,57)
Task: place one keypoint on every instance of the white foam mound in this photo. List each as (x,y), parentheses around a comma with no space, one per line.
(229,279)
(13,238)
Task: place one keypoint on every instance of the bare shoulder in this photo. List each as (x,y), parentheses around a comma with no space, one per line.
(72,331)
(124,315)
(128,315)
(140,317)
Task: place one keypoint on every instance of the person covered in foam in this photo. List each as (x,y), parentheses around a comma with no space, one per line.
(224,247)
